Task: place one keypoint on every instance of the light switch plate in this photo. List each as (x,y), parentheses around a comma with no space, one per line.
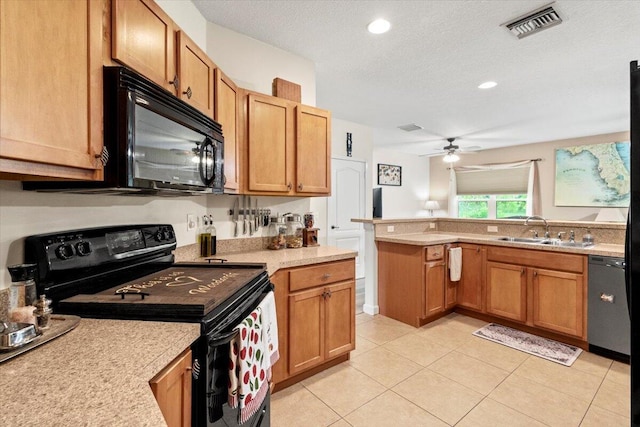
(391,228)
(192,222)
(492,228)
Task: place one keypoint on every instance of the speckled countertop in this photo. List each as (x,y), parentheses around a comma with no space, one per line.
(284,258)
(95,375)
(425,239)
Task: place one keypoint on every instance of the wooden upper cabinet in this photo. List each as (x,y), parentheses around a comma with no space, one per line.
(270,144)
(313,150)
(226,108)
(196,74)
(50,89)
(143,38)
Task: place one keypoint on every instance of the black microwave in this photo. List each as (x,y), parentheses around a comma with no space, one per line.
(155,143)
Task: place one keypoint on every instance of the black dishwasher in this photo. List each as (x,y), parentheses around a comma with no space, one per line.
(609,326)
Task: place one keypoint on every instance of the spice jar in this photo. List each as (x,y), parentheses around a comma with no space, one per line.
(277,232)
(294,231)
(22,294)
(43,312)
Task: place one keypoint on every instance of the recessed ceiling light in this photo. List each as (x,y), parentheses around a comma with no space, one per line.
(487,85)
(379,26)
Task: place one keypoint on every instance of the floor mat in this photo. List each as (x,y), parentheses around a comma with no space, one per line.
(542,347)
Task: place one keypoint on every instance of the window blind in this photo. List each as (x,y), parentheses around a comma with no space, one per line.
(496,181)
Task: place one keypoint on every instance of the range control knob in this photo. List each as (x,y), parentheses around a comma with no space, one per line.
(65,251)
(83,248)
(167,234)
(159,236)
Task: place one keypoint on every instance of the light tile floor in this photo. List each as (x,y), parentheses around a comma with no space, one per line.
(441,375)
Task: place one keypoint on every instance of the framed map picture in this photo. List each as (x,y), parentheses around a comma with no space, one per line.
(595,175)
(389,174)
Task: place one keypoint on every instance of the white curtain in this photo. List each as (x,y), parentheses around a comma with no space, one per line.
(534,205)
(453,194)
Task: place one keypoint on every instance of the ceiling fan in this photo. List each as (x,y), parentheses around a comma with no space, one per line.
(450,151)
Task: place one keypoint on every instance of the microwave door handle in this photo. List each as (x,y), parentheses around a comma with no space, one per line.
(202,164)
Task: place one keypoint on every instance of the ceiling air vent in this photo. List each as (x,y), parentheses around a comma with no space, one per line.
(533,22)
(410,127)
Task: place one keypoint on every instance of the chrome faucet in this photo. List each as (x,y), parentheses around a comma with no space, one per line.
(546,226)
(572,236)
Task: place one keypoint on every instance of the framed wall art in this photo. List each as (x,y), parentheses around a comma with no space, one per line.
(389,175)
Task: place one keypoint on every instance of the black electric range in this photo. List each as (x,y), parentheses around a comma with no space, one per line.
(128,272)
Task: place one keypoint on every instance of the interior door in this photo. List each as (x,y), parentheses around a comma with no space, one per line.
(347,201)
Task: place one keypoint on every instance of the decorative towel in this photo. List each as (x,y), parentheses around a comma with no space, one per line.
(248,366)
(270,325)
(455,264)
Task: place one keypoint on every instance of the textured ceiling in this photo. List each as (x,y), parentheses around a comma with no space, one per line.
(568,81)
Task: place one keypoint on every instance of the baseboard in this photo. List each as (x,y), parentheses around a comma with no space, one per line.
(371,309)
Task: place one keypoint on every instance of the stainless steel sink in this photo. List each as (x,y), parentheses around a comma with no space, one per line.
(536,240)
(543,241)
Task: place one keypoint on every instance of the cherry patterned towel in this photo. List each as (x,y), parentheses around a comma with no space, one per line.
(248,366)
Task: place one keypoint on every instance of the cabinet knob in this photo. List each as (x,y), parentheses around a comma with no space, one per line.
(175,82)
(535,273)
(478,249)
(289,186)
(188,92)
(522,271)
(300,187)
(326,276)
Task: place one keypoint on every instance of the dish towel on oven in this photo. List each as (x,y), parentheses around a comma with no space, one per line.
(249,366)
(270,323)
(455,264)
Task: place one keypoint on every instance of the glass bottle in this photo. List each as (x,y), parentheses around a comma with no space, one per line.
(294,231)
(277,232)
(22,294)
(204,237)
(212,232)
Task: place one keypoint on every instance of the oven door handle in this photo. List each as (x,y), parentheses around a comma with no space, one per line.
(220,339)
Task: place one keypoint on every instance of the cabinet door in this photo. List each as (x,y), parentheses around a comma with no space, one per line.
(144,39)
(195,71)
(558,301)
(507,291)
(270,144)
(226,107)
(469,293)
(172,389)
(306,330)
(340,315)
(313,150)
(51,88)
(281,285)
(434,278)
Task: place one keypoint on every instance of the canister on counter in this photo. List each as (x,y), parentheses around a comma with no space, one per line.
(277,232)
(22,294)
(294,230)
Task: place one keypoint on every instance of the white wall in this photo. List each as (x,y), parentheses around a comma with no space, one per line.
(546,169)
(188,18)
(253,64)
(407,200)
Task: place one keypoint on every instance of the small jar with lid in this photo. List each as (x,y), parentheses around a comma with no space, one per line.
(22,294)
(277,232)
(43,312)
(294,230)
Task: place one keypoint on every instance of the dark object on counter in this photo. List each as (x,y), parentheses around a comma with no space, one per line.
(138,258)
(377,202)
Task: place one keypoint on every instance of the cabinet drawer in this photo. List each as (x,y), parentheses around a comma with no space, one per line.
(434,252)
(321,274)
(542,259)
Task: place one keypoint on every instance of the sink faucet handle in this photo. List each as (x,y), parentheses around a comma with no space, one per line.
(560,233)
(572,236)
(535,233)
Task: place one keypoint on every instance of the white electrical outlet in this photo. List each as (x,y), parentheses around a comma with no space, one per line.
(192,222)
(432,225)
(492,228)
(391,228)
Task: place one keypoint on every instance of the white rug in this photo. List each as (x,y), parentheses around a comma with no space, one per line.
(542,347)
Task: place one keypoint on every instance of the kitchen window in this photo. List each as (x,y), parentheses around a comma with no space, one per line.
(492,206)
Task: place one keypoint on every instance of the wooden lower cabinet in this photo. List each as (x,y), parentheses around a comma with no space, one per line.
(434,283)
(558,301)
(506,294)
(315,306)
(470,287)
(172,389)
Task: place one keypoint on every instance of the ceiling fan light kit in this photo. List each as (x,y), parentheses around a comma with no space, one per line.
(450,157)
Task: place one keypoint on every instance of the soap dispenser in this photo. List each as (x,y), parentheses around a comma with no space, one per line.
(587,238)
